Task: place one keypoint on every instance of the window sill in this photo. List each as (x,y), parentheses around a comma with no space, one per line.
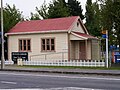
(24,51)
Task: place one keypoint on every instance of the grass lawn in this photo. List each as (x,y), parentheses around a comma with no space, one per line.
(73,67)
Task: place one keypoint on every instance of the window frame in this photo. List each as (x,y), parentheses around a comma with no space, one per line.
(24,48)
(46,44)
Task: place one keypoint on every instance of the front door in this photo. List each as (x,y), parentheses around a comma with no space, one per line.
(82,54)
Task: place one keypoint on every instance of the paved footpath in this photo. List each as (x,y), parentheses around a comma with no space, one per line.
(62,70)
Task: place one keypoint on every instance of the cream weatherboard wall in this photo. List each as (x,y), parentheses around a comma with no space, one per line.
(77,27)
(89,51)
(96,50)
(61,45)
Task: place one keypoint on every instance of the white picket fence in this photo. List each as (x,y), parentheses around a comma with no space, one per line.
(8,62)
(87,63)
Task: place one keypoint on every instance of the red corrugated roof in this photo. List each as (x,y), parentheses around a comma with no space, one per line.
(85,35)
(44,25)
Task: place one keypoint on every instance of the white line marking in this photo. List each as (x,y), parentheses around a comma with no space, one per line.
(72,77)
(59,88)
(71,88)
(7,82)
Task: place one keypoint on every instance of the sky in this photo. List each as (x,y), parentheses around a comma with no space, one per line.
(27,6)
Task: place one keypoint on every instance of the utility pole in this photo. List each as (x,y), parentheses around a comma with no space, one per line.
(107,48)
(2,36)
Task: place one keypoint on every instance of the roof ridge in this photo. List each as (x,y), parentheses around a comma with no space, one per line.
(51,18)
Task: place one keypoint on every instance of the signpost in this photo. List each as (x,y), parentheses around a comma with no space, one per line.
(107,48)
(105,35)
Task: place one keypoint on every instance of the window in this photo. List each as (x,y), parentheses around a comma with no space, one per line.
(48,44)
(24,45)
(78,24)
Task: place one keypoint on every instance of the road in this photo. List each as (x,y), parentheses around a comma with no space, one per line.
(41,81)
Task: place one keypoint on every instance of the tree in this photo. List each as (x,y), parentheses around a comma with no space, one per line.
(43,11)
(93,18)
(96,30)
(34,16)
(89,15)
(58,9)
(116,19)
(106,20)
(111,20)
(75,8)
(55,9)
(11,17)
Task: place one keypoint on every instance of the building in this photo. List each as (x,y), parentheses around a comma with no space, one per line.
(59,38)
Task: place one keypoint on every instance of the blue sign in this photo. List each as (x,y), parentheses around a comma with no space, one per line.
(112,47)
(104,36)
